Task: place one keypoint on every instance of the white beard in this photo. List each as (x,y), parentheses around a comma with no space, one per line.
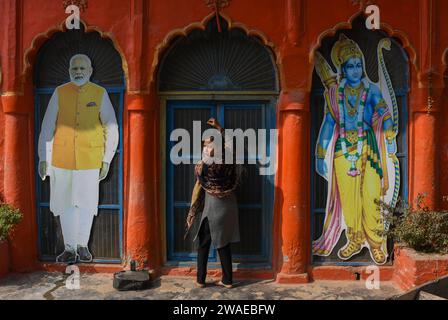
(79,82)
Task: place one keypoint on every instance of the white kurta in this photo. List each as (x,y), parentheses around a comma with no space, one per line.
(74,193)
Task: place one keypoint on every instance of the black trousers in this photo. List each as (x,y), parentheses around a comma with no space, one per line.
(225,255)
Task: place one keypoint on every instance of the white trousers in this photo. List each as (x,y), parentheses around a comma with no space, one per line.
(76,225)
(74,198)
(73,188)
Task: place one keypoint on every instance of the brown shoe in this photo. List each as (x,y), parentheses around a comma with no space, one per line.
(222,284)
(199,285)
(350,249)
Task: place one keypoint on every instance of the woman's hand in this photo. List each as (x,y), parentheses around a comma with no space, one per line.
(198,168)
(214,123)
(190,220)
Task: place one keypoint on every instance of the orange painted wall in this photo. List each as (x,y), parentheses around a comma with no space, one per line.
(142,30)
(443,148)
(2,152)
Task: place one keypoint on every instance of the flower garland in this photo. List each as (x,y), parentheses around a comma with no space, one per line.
(353,171)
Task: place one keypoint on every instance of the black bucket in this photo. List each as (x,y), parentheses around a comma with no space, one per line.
(132,279)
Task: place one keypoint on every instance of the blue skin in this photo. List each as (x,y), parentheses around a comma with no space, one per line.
(353,71)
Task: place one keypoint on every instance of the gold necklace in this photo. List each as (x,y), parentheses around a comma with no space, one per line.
(350,91)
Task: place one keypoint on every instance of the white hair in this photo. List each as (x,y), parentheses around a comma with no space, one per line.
(81,56)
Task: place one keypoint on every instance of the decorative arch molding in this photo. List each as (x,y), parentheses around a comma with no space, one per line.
(445,58)
(445,65)
(166,43)
(39,40)
(390,31)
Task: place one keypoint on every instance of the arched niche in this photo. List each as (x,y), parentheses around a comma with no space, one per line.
(398,66)
(51,70)
(230,75)
(208,60)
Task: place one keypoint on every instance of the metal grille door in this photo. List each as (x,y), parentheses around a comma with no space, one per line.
(254,195)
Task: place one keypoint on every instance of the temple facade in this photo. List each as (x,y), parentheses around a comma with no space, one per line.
(250,64)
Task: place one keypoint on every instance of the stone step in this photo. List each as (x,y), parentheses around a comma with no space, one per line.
(424,295)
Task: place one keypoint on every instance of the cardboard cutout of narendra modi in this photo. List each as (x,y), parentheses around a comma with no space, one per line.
(77,142)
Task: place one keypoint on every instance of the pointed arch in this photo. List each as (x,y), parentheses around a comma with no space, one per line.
(31,53)
(445,63)
(348,25)
(169,39)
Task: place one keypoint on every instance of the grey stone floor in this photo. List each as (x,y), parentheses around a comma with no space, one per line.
(51,285)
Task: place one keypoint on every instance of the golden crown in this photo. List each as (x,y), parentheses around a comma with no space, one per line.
(343,50)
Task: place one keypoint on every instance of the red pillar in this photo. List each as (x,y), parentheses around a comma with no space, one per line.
(142,220)
(18,181)
(293,194)
(2,148)
(424,142)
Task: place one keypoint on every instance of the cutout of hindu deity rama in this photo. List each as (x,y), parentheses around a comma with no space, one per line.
(355,152)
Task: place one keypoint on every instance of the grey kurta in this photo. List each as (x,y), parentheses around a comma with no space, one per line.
(222,214)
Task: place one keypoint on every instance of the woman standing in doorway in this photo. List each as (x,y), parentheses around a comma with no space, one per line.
(214,196)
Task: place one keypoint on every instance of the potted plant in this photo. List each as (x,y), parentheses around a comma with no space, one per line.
(9,218)
(421,237)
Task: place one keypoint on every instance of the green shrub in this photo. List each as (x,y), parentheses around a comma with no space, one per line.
(418,227)
(9,218)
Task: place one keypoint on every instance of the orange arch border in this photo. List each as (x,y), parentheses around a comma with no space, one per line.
(445,63)
(38,41)
(391,32)
(163,46)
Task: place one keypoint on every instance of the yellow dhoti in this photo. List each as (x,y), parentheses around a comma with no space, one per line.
(358,194)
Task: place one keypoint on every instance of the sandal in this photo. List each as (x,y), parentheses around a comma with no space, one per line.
(199,285)
(222,284)
(350,250)
(378,256)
